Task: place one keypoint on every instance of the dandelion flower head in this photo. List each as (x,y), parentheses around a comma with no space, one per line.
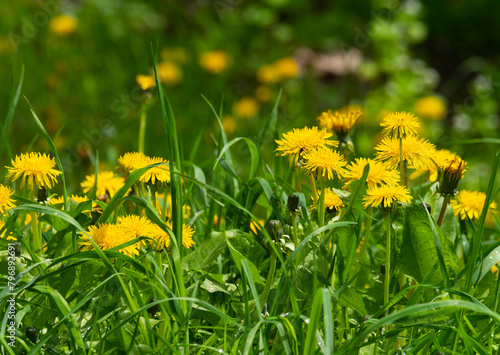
(400,124)
(34,168)
(416,151)
(386,196)
(379,173)
(324,163)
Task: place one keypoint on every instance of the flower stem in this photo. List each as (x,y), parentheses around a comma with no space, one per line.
(142,130)
(313,188)
(387,262)
(269,281)
(403,174)
(321,205)
(366,237)
(446,200)
(37,233)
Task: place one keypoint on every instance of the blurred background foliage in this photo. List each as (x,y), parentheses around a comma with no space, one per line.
(436,59)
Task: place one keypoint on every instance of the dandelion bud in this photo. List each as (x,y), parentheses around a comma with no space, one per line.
(32,334)
(153,309)
(451,176)
(274,229)
(293,202)
(426,206)
(42,195)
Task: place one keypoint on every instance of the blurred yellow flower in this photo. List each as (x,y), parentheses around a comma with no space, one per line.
(431,107)
(299,141)
(386,195)
(324,163)
(229,124)
(145,81)
(417,152)
(400,124)
(174,54)
(169,73)
(246,107)
(268,74)
(63,25)
(215,62)
(6,203)
(470,204)
(286,68)
(263,93)
(379,173)
(107,183)
(36,168)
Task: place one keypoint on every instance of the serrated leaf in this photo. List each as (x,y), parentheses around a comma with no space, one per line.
(206,252)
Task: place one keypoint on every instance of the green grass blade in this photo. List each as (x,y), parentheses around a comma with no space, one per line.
(272,123)
(253,152)
(10,114)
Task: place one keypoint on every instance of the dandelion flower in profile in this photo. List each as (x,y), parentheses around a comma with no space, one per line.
(400,124)
(130,162)
(452,174)
(215,61)
(386,196)
(441,159)
(34,168)
(333,203)
(299,141)
(431,107)
(470,204)
(107,183)
(417,152)
(162,238)
(6,203)
(379,173)
(108,236)
(341,122)
(145,81)
(324,163)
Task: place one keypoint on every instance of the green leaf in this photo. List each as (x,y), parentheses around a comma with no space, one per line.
(349,298)
(234,236)
(254,153)
(206,252)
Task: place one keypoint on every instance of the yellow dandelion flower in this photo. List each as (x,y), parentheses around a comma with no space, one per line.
(135,160)
(286,68)
(107,183)
(169,73)
(136,226)
(400,124)
(145,81)
(379,173)
(247,107)
(441,158)
(63,25)
(162,238)
(6,203)
(386,195)
(215,62)
(431,107)
(108,236)
(254,227)
(324,163)
(229,124)
(333,203)
(452,173)
(298,141)
(34,167)
(10,236)
(417,152)
(341,122)
(470,203)
(268,74)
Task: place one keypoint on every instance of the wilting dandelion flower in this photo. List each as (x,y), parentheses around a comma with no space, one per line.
(417,152)
(470,204)
(107,183)
(452,173)
(215,62)
(299,141)
(324,163)
(333,203)
(400,124)
(386,196)
(379,173)
(6,203)
(35,168)
(108,236)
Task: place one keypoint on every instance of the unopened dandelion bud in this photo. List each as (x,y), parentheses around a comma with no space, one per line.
(274,229)
(293,202)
